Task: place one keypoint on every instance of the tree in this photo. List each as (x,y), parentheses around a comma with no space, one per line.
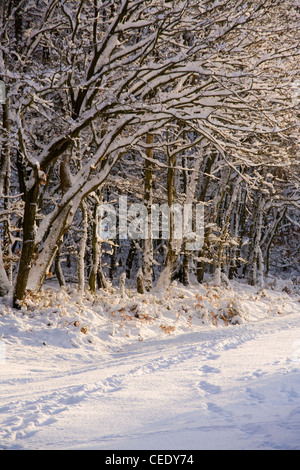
(90,80)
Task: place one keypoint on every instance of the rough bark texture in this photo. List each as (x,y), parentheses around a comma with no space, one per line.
(148,242)
(28,246)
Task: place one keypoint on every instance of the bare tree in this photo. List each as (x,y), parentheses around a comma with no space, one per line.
(89,80)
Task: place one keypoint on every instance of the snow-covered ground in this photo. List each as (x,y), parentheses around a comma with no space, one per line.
(197,368)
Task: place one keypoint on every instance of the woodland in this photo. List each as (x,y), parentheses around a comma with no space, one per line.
(164,102)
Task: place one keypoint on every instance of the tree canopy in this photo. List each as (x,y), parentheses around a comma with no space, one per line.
(182,102)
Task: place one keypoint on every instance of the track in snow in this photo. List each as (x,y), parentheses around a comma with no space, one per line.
(221,388)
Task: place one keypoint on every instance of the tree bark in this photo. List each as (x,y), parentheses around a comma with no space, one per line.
(28,246)
(174,245)
(46,256)
(96,275)
(58,269)
(255,261)
(81,265)
(4,190)
(148,242)
(140,282)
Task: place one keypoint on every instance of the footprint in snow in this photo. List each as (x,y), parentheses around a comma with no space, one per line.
(206,369)
(290,393)
(209,388)
(218,410)
(258,397)
(213,357)
(252,428)
(258,373)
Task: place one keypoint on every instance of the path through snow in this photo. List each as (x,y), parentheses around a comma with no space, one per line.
(234,387)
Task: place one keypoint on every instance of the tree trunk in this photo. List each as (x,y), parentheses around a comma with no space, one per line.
(256,256)
(4,190)
(174,245)
(95,252)
(233,195)
(186,269)
(269,237)
(81,264)
(185,277)
(58,269)
(140,282)
(57,223)
(46,256)
(200,265)
(148,242)
(96,276)
(28,246)
(130,257)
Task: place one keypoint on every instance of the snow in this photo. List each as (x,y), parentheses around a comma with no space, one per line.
(189,368)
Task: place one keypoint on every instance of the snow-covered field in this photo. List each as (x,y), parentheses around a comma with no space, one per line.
(197,368)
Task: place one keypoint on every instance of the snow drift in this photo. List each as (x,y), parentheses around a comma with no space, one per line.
(203,367)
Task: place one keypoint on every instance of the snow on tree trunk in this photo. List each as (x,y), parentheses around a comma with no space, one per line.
(122,285)
(81,255)
(29,237)
(256,264)
(121,72)
(45,257)
(58,269)
(140,282)
(217,276)
(5,282)
(148,198)
(96,248)
(174,244)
